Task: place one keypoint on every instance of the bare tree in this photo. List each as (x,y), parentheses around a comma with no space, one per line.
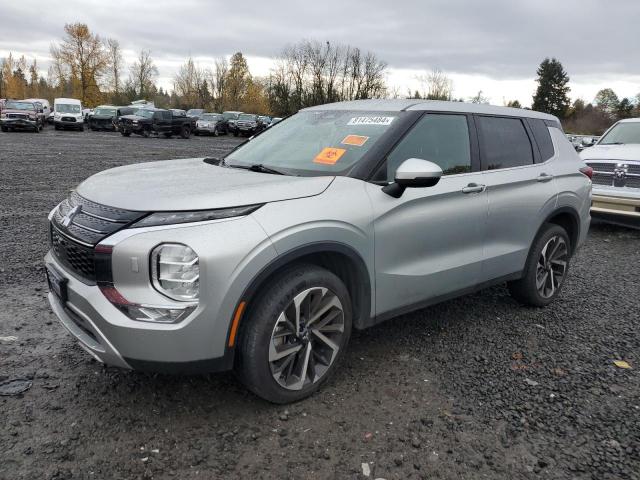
(312,73)
(116,66)
(436,85)
(217,80)
(191,85)
(143,73)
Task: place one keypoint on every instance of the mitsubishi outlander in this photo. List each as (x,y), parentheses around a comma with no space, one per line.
(338,217)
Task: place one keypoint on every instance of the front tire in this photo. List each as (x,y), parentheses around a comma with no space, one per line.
(185,132)
(546,268)
(294,334)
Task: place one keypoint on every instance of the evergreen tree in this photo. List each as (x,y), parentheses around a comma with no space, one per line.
(551,94)
(624,109)
(607,101)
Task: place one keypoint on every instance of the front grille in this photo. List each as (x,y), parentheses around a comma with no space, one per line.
(68,119)
(79,258)
(616,173)
(78,225)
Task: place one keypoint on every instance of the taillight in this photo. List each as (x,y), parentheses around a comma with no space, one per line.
(588,171)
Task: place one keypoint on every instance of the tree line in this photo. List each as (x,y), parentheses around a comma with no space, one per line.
(91,68)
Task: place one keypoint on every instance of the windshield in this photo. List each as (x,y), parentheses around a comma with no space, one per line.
(105,111)
(628,132)
(247,118)
(209,116)
(144,113)
(230,115)
(315,142)
(19,106)
(67,108)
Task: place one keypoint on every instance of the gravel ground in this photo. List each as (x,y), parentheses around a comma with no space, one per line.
(478,387)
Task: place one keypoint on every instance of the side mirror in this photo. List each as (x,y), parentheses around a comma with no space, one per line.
(413,173)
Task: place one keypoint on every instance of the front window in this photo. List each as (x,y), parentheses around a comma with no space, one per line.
(19,106)
(439,138)
(315,142)
(144,113)
(247,118)
(67,108)
(105,111)
(621,134)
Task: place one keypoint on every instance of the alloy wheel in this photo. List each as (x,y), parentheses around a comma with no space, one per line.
(552,266)
(306,338)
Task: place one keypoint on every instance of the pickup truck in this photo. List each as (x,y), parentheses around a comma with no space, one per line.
(21,115)
(156,121)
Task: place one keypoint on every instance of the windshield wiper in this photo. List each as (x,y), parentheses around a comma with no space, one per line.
(257,167)
(613,143)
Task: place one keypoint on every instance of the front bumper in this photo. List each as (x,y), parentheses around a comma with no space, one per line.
(618,206)
(68,124)
(21,123)
(198,343)
(207,129)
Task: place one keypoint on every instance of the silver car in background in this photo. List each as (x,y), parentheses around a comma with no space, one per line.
(338,217)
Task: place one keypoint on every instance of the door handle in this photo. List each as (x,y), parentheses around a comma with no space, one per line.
(474,188)
(544,177)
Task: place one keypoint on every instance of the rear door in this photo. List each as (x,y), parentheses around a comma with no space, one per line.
(429,242)
(521,192)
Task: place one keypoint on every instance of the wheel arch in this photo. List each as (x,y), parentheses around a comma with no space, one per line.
(569,219)
(340,259)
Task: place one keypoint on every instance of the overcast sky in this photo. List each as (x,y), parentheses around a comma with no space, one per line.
(489,45)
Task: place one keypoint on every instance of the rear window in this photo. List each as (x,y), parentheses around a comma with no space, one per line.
(504,143)
(542,137)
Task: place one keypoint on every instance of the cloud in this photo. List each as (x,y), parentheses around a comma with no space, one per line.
(503,40)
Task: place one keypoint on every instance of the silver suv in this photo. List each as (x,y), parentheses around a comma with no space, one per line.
(338,217)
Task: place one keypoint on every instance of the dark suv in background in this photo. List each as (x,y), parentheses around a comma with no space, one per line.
(248,124)
(105,117)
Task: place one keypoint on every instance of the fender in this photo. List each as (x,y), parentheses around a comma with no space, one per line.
(362,279)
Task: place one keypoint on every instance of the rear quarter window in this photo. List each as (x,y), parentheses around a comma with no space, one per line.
(542,138)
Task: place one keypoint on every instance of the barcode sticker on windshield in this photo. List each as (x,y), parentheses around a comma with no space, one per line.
(371,121)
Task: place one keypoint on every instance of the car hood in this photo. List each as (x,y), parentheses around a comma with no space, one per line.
(612,152)
(192,184)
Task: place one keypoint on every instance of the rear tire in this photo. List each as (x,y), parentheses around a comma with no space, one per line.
(167,135)
(4,129)
(546,268)
(271,329)
(125,133)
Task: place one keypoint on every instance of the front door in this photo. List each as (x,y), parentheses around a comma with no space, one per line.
(429,242)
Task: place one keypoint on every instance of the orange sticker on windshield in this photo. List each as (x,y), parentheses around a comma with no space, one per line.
(329,155)
(355,140)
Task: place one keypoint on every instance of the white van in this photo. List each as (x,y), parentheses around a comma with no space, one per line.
(67,113)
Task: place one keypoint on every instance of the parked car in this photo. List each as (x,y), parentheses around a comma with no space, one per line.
(344,216)
(615,160)
(230,118)
(211,124)
(580,142)
(265,120)
(46,106)
(68,114)
(21,115)
(195,112)
(248,124)
(105,117)
(275,120)
(148,121)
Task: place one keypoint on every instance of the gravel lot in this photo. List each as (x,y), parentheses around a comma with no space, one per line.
(478,387)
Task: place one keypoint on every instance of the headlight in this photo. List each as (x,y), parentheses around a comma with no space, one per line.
(175,271)
(171,218)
